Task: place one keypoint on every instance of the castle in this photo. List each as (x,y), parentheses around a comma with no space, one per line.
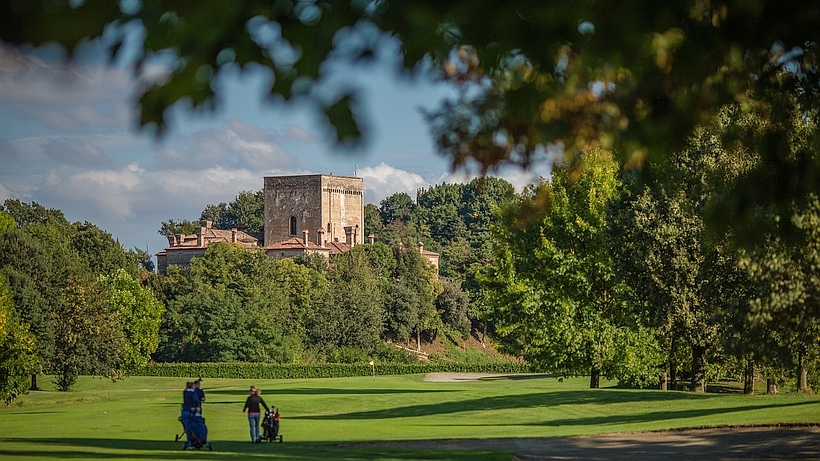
(306,214)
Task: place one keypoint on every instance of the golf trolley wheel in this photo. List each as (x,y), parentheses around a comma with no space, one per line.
(176,438)
(210,447)
(280,439)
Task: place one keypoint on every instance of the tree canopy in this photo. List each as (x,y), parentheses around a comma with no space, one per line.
(538,78)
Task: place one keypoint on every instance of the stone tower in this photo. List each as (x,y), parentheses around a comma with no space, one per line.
(294,204)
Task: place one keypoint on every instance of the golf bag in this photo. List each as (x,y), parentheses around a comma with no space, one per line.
(194,430)
(270,426)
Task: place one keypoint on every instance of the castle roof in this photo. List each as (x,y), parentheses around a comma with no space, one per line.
(337,248)
(294,244)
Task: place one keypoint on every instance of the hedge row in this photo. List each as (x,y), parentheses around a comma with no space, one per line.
(244,370)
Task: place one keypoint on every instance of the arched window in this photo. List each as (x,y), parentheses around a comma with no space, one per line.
(293,225)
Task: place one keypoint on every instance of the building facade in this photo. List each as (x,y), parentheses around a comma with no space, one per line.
(332,204)
(182,248)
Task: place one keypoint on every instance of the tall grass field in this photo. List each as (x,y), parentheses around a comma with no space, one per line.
(136,418)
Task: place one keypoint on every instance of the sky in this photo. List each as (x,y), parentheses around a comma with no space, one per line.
(69,140)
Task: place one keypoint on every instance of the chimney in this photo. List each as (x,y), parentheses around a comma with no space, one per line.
(200,237)
(349,235)
(233,235)
(171,240)
(355,235)
(421,248)
(320,240)
(371,238)
(305,236)
(178,239)
(205,224)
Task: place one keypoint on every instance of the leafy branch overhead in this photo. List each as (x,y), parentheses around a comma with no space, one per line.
(637,75)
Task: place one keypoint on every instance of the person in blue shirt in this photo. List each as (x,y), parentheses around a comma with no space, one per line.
(200,394)
(190,400)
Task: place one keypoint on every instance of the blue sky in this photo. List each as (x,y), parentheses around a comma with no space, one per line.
(68,140)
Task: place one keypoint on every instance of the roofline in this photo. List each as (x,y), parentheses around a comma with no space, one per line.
(313,175)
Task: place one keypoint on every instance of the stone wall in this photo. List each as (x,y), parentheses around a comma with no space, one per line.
(315,201)
(343,206)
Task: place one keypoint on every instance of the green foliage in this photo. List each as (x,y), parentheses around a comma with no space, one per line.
(87,336)
(139,314)
(396,207)
(236,304)
(17,350)
(352,313)
(452,306)
(100,251)
(554,294)
(247,370)
(177,226)
(247,211)
(6,221)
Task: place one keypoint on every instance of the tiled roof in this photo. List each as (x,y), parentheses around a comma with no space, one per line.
(337,248)
(210,235)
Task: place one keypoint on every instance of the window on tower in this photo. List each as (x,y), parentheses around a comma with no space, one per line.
(293,225)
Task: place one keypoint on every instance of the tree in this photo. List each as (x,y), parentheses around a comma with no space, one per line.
(31,273)
(554,294)
(452,306)
(247,210)
(236,304)
(139,313)
(686,276)
(352,314)
(173,226)
(396,207)
(6,221)
(87,336)
(17,357)
(100,251)
(786,304)
(372,220)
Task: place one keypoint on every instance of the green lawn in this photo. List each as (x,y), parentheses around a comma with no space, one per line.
(137,418)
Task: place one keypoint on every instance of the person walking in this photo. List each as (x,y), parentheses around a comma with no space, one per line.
(252,406)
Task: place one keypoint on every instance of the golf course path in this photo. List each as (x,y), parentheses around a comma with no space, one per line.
(726,443)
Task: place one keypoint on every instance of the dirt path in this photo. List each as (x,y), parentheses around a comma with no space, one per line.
(739,443)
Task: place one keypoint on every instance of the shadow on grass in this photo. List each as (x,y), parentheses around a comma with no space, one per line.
(325,391)
(655,416)
(531,400)
(87,448)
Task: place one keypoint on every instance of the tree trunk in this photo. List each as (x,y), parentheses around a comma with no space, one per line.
(771,386)
(34,383)
(802,373)
(418,340)
(662,381)
(749,378)
(595,378)
(483,333)
(698,368)
(673,366)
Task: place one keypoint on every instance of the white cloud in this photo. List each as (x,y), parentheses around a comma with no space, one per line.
(383,181)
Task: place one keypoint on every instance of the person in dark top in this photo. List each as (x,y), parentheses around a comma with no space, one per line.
(190,399)
(200,394)
(252,405)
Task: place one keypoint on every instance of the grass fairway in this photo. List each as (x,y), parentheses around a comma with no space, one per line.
(137,418)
